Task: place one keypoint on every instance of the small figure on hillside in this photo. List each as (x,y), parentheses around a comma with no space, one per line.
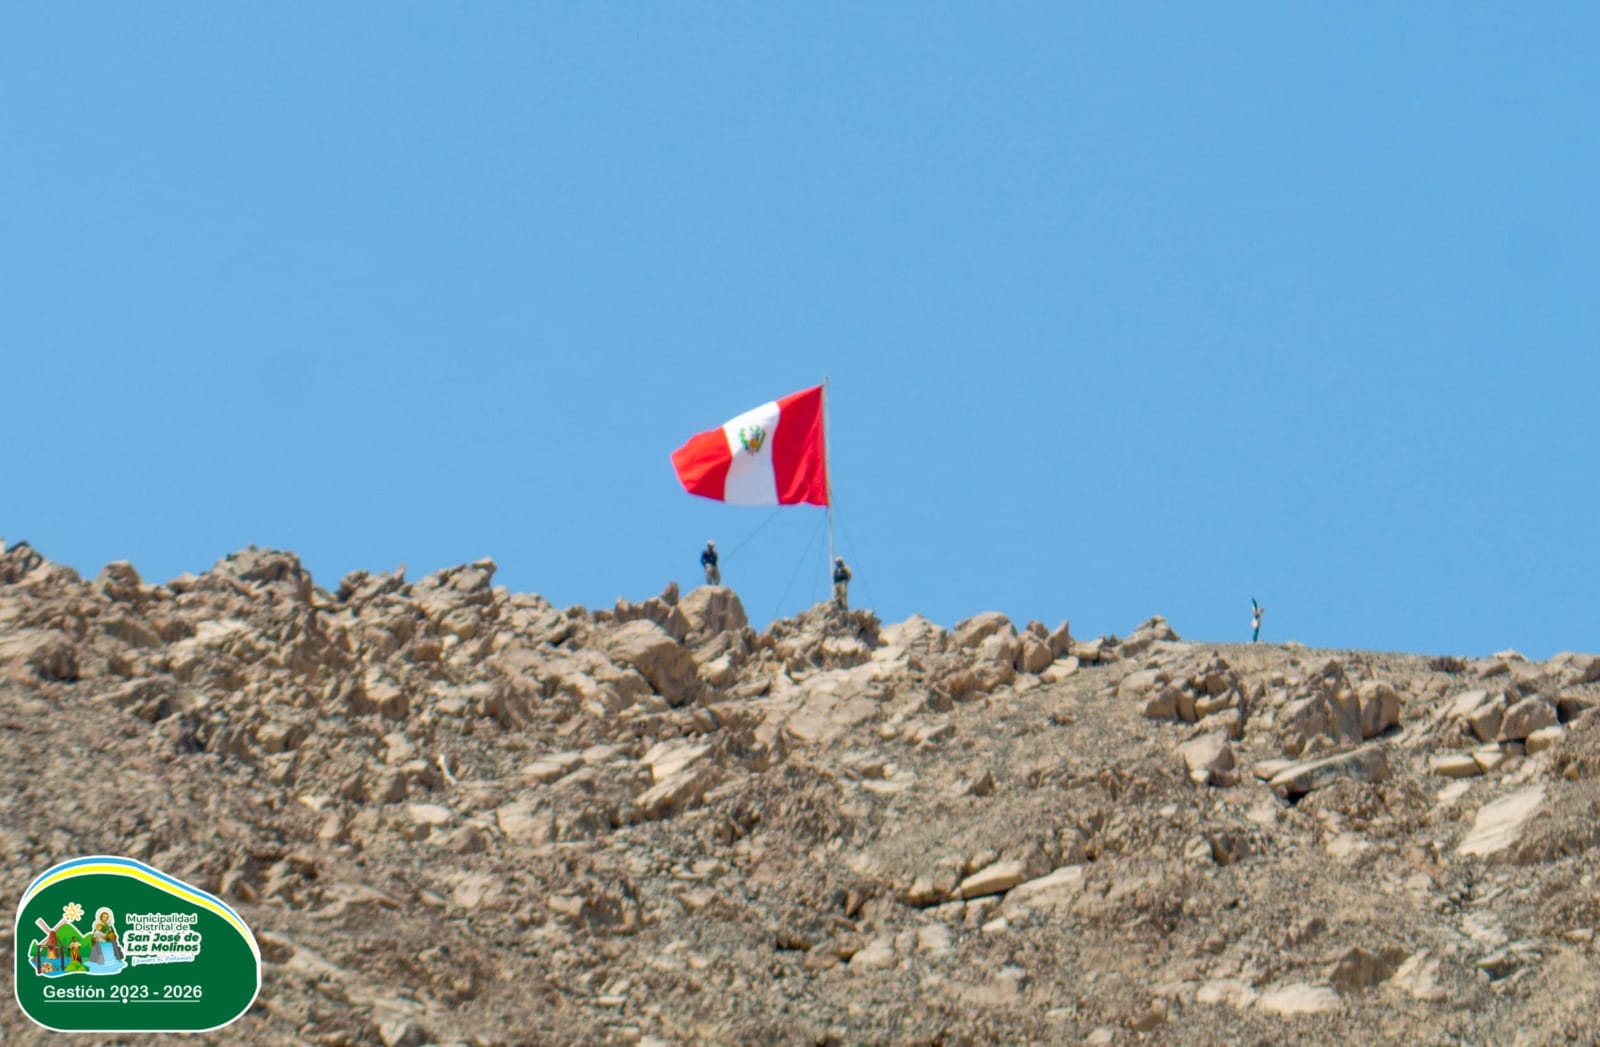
(708,560)
(1256,611)
(841,584)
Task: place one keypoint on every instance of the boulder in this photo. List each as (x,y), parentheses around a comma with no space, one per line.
(972,632)
(995,878)
(1456,765)
(1499,825)
(719,672)
(1380,707)
(681,771)
(1370,763)
(676,791)
(1542,739)
(1035,655)
(1267,770)
(924,892)
(666,759)
(120,582)
(1061,640)
(665,663)
(1462,705)
(1489,757)
(1060,669)
(1162,705)
(1484,721)
(430,814)
(33,655)
(1525,717)
(711,610)
(1298,998)
(1209,759)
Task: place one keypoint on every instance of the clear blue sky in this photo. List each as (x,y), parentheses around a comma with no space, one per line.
(1128,308)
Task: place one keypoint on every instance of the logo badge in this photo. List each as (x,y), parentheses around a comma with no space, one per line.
(107,944)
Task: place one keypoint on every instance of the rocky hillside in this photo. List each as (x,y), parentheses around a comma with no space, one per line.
(455,814)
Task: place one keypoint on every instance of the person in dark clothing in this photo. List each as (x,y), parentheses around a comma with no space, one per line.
(708,560)
(841,583)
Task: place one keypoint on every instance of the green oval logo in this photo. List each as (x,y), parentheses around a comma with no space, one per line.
(107,944)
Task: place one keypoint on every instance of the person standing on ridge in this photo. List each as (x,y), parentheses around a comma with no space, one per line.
(841,584)
(708,560)
(1256,611)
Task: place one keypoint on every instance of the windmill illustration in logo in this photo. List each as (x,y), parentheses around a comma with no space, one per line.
(65,949)
(751,437)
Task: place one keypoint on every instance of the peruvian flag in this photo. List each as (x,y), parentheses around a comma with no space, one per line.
(770,455)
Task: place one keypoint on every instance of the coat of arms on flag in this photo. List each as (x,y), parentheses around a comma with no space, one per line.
(751,437)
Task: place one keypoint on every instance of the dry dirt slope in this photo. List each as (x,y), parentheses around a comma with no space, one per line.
(459,815)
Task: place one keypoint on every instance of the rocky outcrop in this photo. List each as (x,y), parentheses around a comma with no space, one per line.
(710,611)
(652,823)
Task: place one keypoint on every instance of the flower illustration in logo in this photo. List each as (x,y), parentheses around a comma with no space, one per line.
(751,437)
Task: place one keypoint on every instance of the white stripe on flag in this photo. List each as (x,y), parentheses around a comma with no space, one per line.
(750,477)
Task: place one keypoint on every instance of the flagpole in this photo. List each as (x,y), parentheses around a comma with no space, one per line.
(827,465)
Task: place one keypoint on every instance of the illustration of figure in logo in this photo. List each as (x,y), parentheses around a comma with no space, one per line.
(751,437)
(105,952)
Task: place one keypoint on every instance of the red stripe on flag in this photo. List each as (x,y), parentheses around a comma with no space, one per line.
(799,458)
(702,464)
